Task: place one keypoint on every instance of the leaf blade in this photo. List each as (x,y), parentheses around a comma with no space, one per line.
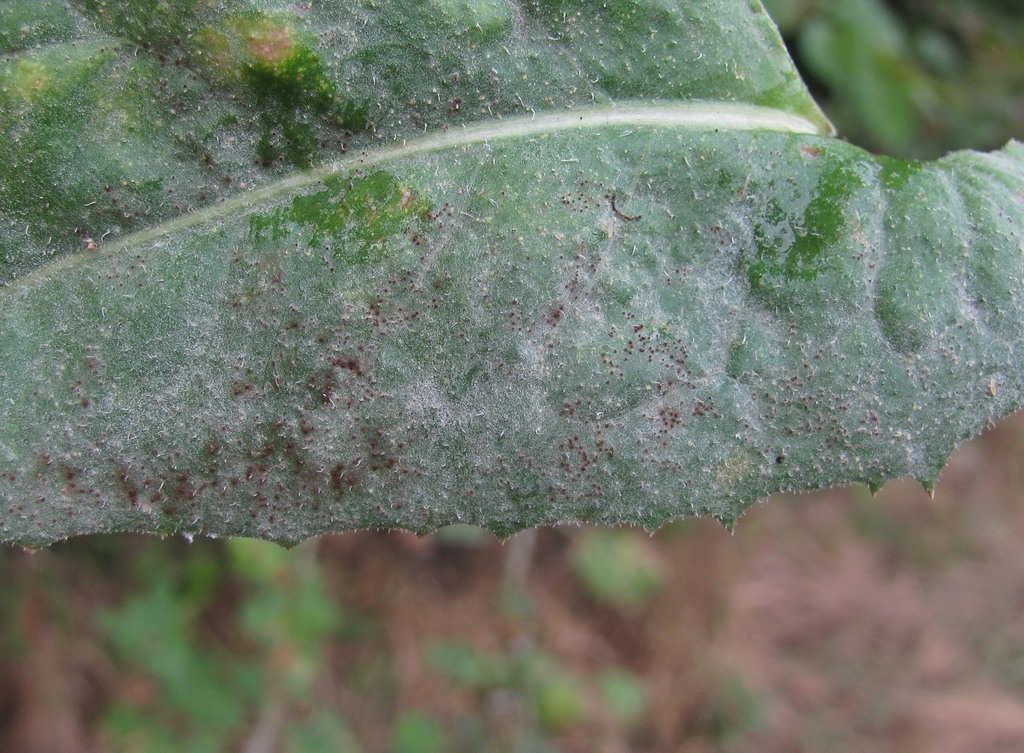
(508,370)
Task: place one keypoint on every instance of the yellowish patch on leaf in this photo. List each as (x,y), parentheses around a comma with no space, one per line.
(734,468)
(215,50)
(408,197)
(270,44)
(30,80)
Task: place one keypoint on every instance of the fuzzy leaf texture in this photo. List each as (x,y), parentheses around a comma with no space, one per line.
(275,269)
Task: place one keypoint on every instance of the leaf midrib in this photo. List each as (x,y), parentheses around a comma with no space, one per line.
(693,115)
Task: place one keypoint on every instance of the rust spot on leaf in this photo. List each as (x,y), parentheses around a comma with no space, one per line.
(270,44)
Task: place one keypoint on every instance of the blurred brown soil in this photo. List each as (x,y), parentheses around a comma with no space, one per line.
(827,622)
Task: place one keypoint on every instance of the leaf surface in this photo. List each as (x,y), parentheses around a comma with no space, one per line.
(276,272)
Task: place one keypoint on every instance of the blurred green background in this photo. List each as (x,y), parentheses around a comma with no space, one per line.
(912,78)
(827,622)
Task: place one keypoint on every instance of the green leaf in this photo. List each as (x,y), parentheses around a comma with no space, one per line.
(556,261)
(416,732)
(615,568)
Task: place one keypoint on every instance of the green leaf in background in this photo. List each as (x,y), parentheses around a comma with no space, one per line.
(416,732)
(555,261)
(912,79)
(616,568)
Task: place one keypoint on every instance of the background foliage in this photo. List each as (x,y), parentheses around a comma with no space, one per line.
(912,78)
(371,642)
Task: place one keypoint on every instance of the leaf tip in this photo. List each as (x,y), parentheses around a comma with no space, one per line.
(928,484)
(728,522)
